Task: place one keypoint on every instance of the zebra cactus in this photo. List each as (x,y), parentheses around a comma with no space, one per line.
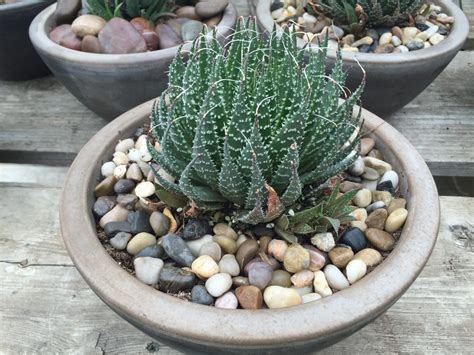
(250,125)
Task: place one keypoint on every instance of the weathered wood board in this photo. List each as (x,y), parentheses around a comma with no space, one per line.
(46,307)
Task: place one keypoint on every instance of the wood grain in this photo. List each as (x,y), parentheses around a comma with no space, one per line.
(46,307)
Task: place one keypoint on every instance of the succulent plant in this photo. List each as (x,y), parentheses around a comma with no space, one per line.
(150,9)
(355,14)
(251,123)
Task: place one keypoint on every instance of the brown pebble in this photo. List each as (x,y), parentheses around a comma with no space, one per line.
(249,297)
(91,44)
(340,256)
(380,239)
(384,48)
(246,252)
(347,186)
(377,219)
(263,243)
(106,186)
(366,145)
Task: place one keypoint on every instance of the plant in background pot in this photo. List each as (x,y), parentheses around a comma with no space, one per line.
(18,58)
(115,54)
(249,192)
(403,45)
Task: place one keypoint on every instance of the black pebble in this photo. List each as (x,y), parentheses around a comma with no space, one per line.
(354,238)
(173,279)
(154,251)
(386,186)
(261,230)
(421,26)
(195,229)
(200,295)
(112,228)
(124,186)
(139,222)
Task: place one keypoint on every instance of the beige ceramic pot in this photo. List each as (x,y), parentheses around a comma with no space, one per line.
(195,327)
(393,80)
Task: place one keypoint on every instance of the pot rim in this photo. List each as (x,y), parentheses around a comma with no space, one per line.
(189,322)
(39,37)
(453,42)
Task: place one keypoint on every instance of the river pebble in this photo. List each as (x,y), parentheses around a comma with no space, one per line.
(218,284)
(140,241)
(177,250)
(200,295)
(341,255)
(362,198)
(228,264)
(321,285)
(281,297)
(249,297)
(354,238)
(277,248)
(204,267)
(148,269)
(120,240)
(377,219)
(211,249)
(395,220)
(296,258)
(369,256)
(335,278)
(227,301)
(355,270)
(323,241)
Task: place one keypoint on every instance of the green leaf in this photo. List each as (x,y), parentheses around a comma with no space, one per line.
(289,237)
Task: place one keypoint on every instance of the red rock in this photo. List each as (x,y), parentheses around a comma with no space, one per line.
(120,37)
(64,36)
(152,40)
(249,297)
(142,24)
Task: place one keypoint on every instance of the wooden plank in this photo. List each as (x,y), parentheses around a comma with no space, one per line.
(46,307)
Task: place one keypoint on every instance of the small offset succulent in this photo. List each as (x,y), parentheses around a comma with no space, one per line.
(353,15)
(251,125)
(150,9)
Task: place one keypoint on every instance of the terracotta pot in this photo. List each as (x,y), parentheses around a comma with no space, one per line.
(18,58)
(190,326)
(110,84)
(393,80)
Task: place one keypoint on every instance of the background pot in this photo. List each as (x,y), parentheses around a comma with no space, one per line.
(18,58)
(110,84)
(191,326)
(393,80)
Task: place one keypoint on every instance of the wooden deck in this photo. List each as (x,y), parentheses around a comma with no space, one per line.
(46,307)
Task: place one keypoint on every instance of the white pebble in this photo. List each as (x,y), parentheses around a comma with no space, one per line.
(310,297)
(355,270)
(431,31)
(362,198)
(144,167)
(107,168)
(403,49)
(148,269)
(195,245)
(386,38)
(120,171)
(392,176)
(309,18)
(229,265)
(303,290)
(242,238)
(218,284)
(204,267)
(134,155)
(370,185)
(120,158)
(141,142)
(227,301)
(125,145)
(320,284)
(145,189)
(436,38)
(335,277)
(396,41)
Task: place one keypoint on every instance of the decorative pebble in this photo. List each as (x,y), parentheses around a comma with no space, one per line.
(303,290)
(384,48)
(87,25)
(277,248)
(240,240)
(395,220)
(120,240)
(123,186)
(384,196)
(355,270)
(365,40)
(227,245)
(354,238)
(206,9)
(395,204)
(148,269)
(120,171)
(341,255)
(227,301)
(218,284)
(362,198)
(415,45)
(335,277)
(323,241)
(357,168)
(380,239)
(370,174)
(310,297)
(377,219)
(107,168)
(125,145)
(358,224)
(64,36)
(159,223)
(238,281)
(153,251)
(386,186)
(204,267)
(296,258)
(105,187)
(263,244)
(120,37)
(302,278)
(174,279)
(321,285)
(168,37)
(246,252)
(281,278)
(370,185)
(195,229)
(112,228)
(116,214)
(436,38)
(396,41)
(260,274)
(191,30)
(409,33)
(360,214)
(224,230)
(145,189)
(211,249)
(369,256)
(281,297)
(177,249)
(366,145)
(249,297)
(200,295)
(134,172)
(103,205)
(228,264)
(139,242)
(195,245)
(381,166)
(317,258)
(347,186)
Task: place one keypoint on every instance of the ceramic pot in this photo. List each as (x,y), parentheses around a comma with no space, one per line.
(393,80)
(193,327)
(18,58)
(110,84)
